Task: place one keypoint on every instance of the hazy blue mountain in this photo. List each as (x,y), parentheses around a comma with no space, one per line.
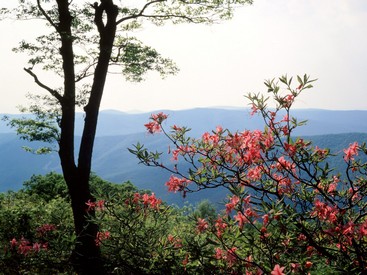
(118,131)
(320,122)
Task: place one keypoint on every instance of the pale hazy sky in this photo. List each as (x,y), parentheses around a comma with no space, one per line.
(219,64)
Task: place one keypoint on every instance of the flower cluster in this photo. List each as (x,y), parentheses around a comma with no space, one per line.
(101,236)
(24,247)
(98,205)
(148,201)
(154,126)
(351,151)
(288,211)
(175,184)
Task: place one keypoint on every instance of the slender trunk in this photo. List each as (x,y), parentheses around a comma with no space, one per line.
(86,257)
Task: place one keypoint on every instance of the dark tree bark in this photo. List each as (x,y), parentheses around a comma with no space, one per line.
(86,256)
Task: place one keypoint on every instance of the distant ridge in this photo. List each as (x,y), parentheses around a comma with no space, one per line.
(320,122)
(118,131)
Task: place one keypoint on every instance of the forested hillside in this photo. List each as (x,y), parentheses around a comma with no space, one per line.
(118,131)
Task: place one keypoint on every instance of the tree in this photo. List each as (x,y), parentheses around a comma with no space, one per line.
(86,39)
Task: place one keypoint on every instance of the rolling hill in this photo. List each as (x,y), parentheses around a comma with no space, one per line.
(118,131)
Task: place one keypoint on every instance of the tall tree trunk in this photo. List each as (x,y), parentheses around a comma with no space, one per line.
(86,256)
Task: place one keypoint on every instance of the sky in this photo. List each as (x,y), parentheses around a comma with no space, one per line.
(221,63)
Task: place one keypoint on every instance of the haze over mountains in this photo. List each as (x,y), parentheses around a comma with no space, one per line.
(118,131)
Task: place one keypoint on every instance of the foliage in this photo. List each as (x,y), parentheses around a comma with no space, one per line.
(36,235)
(132,58)
(47,187)
(288,209)
(84,41)
(139,234)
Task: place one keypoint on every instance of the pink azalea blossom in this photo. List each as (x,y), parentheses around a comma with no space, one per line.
(265,219)
(220,225)
(232,204)
(13,242)
(351,151)
(153,127)
(308,264)
(218,253)
(175,184)
(159,117)
(202,225)
(231,256)
(278,270)
(254,109)
(37,247)
(102,236)
(241,219)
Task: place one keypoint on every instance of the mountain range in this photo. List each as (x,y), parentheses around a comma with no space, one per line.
(118,131)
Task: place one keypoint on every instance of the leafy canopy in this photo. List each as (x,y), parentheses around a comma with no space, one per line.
(130,56)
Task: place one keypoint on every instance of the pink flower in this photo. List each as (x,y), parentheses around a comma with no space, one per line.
(24,249)
(102,236)
(176,128)
(290,149)
(363,229)
(175,154)
(159,117)
(170,238)
(308,264)
(285,164)
(351,151)
(152,201)
(254,109)
(231,256)
(202,225)
(136,198)
(100,204)
(285,118)
(175,241)
(219,253)
(295,267)
(24,246)
(254,173)
(278,270)
(232,204)
(91,205)
(325,212)
(145,199)
(46,228)
(95,205)
(185,261)
(241,219)
(36,247)
(220,225)
(13,242)
(153,127)
(265,219)
(331,188)
(175,184)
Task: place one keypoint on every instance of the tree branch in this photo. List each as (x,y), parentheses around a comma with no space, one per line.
(85,73)
(39,83)
(48,18)
(140,14)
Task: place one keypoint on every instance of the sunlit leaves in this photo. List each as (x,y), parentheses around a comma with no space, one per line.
(137,59)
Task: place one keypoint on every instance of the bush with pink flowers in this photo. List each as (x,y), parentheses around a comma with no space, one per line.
(288,211)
